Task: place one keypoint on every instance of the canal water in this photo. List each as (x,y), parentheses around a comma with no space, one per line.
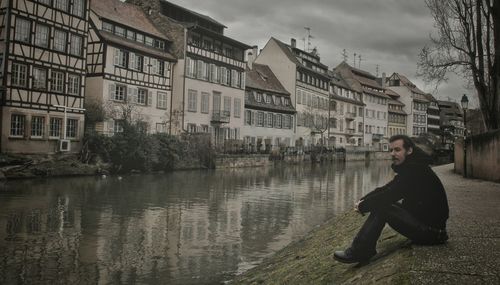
(189,227)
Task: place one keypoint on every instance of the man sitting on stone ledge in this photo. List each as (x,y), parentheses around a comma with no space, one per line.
(421,216)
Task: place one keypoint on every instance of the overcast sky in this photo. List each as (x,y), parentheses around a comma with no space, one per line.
(387,33)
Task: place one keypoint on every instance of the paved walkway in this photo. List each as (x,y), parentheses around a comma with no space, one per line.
(472,255)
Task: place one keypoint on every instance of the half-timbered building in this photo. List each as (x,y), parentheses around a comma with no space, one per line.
(42,70)
(129,71)
(209,77)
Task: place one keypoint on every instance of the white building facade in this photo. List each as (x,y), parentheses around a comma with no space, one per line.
(415,102)
(306,79)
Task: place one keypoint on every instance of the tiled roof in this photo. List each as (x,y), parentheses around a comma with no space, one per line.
(406,82)
(125,14)
(358,79)
(205,17)
(287,50)
(396,102)
(261,77)
(392,93)
(251,102)
(429,97)
(112,38)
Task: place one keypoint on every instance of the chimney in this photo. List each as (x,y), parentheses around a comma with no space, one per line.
(383,79)
(252,55)
(293,43)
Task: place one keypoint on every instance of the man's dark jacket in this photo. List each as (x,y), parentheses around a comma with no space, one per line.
(419,188)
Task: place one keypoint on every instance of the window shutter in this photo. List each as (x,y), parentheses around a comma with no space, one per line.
(252,116)
(112,91)
(149,101)
(111,126)
(145,64)
(131,60)
(243,75)
(130,95)
(117,57)
(134,94)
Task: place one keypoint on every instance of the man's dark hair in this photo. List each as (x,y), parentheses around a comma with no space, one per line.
(407,141)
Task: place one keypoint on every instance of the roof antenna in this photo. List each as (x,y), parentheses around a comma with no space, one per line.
(354,58)
(359,61)
(344,55)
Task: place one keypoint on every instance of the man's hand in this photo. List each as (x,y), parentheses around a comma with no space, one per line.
(356,207)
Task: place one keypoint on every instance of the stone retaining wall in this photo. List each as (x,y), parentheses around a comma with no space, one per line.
(483,156)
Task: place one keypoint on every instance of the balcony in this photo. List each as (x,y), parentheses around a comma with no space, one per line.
(220,117)
(377,137)
(349,131)
(350,116)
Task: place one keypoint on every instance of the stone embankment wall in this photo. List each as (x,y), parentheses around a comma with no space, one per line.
(259,160)
(367,155)
(483,156)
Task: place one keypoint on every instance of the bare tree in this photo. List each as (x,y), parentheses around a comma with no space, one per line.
(467,43)
(316,120)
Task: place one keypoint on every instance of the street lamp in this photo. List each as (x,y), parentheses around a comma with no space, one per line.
(465,104)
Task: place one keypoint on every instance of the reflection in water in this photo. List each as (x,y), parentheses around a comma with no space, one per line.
(182,228)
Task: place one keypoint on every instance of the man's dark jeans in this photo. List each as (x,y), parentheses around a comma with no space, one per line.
(399,219)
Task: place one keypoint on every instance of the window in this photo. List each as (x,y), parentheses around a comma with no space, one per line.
(120,58)
(138,62)
(216,102)
(227,105)
(139,37)
(72,128)
(142,95)
(75,46)
(37,124)
(204,102)
(270,120)
(57,81)
(61,4)
(17,125)
(237,108)
(248,117)
(23,30)
(278,121)
(192,100)
(260,119)
(42,35)
(78,7)
(223,76)
(162,100)
(130,35)
(214,73)
(267,98)
(258,97)
(119,31)
(60,40)
(73,84)
(55,127)
(191,67)
(149,41)
(39,78)
(117,126)
(161,127)
(107,27)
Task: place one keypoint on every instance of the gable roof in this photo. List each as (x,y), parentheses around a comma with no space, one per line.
(261,77)
(360,80)
(196,14)
(406,82)
(126,14)
(288,51)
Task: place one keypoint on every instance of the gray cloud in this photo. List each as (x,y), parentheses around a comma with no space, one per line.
(387,33)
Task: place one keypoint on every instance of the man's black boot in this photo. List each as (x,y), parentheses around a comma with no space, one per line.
(349,256)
